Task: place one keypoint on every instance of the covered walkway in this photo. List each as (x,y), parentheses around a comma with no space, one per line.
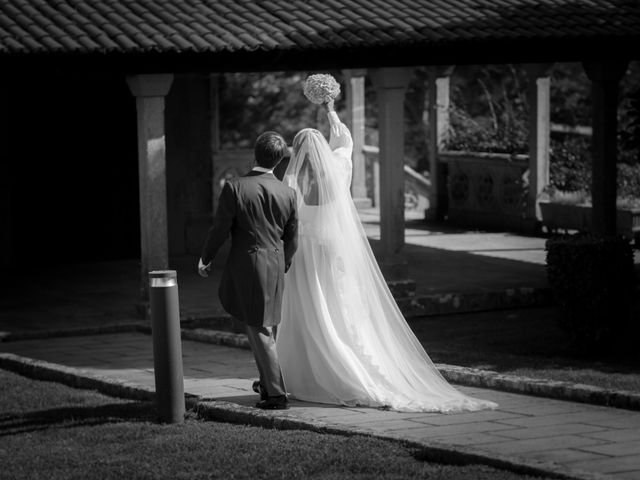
(444,262)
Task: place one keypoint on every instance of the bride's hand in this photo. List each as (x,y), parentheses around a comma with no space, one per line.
(329,106)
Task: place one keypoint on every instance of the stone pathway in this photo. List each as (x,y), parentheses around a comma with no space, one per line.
(564,436)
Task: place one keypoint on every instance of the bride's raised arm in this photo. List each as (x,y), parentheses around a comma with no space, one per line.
(340,141)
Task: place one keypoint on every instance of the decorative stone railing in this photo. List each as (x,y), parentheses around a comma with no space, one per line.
(231,163)
(487,190)
(416,186)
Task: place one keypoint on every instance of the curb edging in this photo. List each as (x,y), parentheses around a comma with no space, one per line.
(233,413)
(74,377)
(560,390)
(473,377)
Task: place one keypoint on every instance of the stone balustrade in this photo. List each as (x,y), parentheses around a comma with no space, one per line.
(416,185)
(487,190)
(231,163)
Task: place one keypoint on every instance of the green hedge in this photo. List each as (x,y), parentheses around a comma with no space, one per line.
(592,279)
(570,169)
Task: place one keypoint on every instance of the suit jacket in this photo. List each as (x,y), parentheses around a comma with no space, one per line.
(259,212)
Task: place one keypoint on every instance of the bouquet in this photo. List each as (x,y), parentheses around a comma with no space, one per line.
(321,88)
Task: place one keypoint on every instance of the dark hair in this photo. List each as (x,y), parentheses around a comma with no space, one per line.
(270,148)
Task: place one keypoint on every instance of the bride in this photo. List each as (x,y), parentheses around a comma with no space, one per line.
(343,339)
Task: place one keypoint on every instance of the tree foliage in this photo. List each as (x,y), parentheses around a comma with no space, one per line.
(489,110)
(251,103)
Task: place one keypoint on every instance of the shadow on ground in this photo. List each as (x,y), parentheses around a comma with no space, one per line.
(70,417)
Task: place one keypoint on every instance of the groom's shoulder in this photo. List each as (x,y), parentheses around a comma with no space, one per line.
(270,182)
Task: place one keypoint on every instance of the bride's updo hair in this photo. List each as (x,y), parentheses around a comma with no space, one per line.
(308,166)
(301,136)
(269,149)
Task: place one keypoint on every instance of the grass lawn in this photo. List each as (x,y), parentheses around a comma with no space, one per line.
(522,342)
(50,431)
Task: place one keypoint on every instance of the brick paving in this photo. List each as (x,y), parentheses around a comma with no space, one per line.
(574,436)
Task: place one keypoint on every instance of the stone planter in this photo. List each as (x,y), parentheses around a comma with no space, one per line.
(487,190)
(566,216)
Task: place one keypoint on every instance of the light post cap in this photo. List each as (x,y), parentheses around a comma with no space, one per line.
(163,278)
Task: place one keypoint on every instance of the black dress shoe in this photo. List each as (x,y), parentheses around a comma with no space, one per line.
(257,387)
(274,403)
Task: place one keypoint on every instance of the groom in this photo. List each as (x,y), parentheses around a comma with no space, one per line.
(259,212)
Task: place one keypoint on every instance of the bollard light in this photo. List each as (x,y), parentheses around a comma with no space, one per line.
(167,346)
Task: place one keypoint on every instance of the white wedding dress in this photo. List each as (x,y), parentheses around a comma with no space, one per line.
(343,339)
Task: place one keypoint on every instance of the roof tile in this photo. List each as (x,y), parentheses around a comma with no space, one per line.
(28,26)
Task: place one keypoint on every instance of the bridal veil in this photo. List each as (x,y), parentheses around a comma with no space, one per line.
(343,339)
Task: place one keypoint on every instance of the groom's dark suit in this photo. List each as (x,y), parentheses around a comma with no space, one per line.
(259,212)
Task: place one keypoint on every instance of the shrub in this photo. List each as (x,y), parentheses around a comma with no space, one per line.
(570,169)
(629,180)
(570,165)
(468,134)
(629,127)
(592,279)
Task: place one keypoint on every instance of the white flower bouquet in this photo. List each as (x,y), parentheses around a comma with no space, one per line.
(321,88)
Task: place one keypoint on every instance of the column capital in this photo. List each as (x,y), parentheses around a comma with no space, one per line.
(605,71)
(538,70)
(354,73)
(391,77)
(150,85)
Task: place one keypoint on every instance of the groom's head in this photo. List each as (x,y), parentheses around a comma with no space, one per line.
(270,148)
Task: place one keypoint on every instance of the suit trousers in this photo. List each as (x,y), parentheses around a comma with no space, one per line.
(263,346)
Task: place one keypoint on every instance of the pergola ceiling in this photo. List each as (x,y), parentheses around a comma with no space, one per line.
(238,35)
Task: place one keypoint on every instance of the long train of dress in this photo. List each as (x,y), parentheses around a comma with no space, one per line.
(343,339)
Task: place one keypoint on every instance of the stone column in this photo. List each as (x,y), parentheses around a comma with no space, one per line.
(439,104)
(391,85)
(150,91)
(355,120)
(605,77)
(539,136)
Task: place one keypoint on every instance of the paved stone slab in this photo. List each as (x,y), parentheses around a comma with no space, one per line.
(630,435)
(542,444)
(586,415)
(524,433)
(614,466)
(567,455)
(618,449)
(473,417)
(533,429)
